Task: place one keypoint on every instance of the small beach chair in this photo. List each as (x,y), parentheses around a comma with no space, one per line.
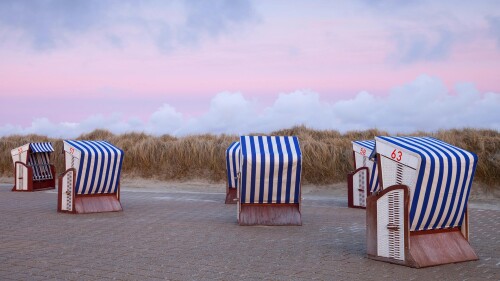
(269,190)
(363,181)
(32,168)
(91,182)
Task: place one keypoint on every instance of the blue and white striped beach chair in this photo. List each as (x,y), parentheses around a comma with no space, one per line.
(91,182)
(32,168)
(232,170)
(269,191)
(363,181)
(419,218)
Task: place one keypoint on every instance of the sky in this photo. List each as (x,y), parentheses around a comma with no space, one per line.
(238,66)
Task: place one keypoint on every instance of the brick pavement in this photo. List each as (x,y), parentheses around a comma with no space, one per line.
(194,236)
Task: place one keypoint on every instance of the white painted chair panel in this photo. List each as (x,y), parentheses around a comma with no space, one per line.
(390,225)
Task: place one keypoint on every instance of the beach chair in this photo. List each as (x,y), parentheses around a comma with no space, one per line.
(232,170)
(32,168)
(91,182)
(363,181)
(420,218)
(269,190)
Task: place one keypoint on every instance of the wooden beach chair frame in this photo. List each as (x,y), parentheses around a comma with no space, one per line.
(72,201)
(271,213)
(29,175)
(389,234)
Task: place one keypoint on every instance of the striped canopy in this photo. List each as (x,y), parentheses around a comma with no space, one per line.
(444,175)
(369,145)
(232,164)
(270,169)
(98,165)
(37,147)
(365,148)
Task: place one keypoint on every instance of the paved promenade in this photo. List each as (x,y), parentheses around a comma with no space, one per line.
(167,235)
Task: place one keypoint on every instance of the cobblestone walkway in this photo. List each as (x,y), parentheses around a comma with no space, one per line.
(194,236)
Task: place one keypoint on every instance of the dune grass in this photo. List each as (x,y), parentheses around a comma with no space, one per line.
(327,155)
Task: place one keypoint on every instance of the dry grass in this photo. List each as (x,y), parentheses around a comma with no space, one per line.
(327,155)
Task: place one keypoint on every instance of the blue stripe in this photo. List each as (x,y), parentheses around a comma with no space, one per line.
(370,144)
(280,170)
(271,168)
(299,170)
(373,187)
(243,169)
(38,147)
(228,169)
(262,168)
(254,168)
(289,170)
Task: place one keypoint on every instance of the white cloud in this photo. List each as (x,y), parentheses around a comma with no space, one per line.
(166,120)
(423,104)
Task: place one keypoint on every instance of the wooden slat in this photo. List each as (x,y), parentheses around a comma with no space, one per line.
(97,204)
(270,214)
(440,248)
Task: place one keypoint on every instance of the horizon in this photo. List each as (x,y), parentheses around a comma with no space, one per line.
(235,67)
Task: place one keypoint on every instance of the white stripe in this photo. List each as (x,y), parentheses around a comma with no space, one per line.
(285,170)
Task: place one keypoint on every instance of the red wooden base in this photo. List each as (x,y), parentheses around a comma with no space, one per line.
(270,214)
(85,204)
(435,248)
(440,248)
(231,196)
